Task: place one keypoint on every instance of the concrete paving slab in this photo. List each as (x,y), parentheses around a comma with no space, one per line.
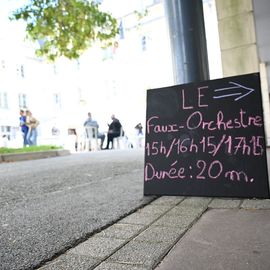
(256,204)
(156,234)
(184,211)
(180,222)
(155,209)
(225,203)
(140,253)
(224,239)
(140,218)
(168,200)
(71,262)
(97,247)
(118,266)
(196,201)
(121,231)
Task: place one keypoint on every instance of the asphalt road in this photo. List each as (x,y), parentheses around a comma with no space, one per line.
(50,205)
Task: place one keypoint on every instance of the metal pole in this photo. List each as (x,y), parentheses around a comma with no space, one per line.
(188,41)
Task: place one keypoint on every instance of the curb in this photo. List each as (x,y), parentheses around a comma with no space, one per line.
(33,155)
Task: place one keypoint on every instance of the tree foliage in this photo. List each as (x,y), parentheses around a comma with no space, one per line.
(66,27)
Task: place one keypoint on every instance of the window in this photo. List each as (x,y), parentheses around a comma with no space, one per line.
(55,70)
(78,64)
(3,100)
(56,101)
(3,64)
(22,71)
(121,30)
(107,53)
(8,131)
(144,43)
(23,101)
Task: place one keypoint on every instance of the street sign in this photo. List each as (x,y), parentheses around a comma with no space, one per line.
(206,139)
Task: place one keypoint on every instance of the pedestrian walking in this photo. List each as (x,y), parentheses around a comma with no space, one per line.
(32,124)
(24,127)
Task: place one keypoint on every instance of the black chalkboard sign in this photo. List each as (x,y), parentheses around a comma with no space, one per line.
(206,139)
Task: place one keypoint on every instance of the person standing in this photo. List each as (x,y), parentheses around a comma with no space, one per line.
(93,123)
(139,135)
(139,129)
(32,124)
(24,127)
(114,131)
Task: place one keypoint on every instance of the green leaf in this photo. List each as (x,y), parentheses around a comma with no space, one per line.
(66,27)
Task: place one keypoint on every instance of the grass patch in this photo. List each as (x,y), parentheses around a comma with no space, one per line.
(5,150)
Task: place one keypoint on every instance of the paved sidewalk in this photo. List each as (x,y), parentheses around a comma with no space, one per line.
(224,239)
(143,239)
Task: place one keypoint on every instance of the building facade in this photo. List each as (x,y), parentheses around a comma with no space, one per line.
(115,80)
(245,43)
(103,81)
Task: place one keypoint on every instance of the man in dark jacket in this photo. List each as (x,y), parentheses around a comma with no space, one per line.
(115,130)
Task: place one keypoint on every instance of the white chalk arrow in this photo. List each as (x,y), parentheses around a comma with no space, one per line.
(240,94)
